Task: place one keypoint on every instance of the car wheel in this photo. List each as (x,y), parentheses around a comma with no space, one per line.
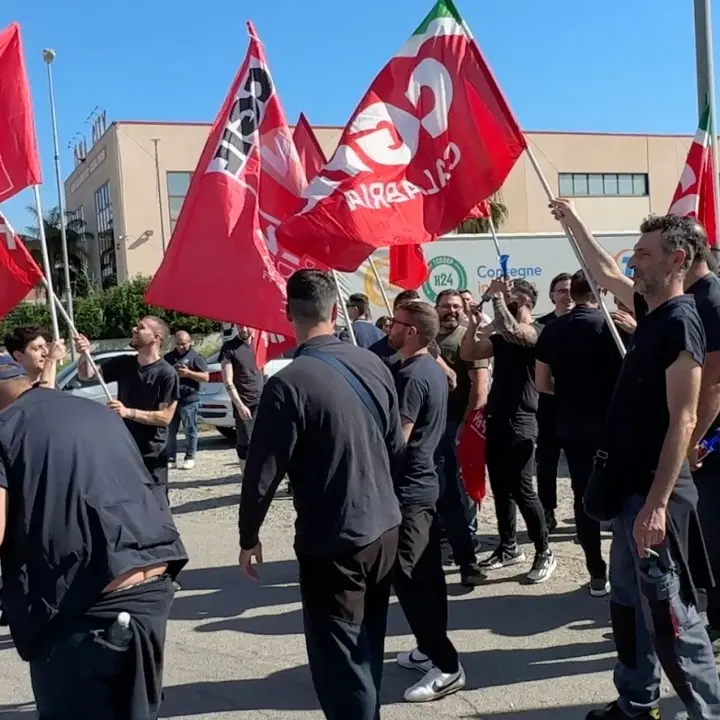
(229,433)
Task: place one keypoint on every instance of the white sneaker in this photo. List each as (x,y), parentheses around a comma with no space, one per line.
(544,566)
(435,684)
(188,464)
(414,660)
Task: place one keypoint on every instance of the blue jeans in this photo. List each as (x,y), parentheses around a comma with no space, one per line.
(188,415)
(655,626)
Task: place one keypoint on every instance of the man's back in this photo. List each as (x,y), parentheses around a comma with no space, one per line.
(81,511)
(367,333)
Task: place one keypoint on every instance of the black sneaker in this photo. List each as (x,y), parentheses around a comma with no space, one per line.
(599,587)
(471,575)
(614,712)
(550,521)
(543,567)
(503,557)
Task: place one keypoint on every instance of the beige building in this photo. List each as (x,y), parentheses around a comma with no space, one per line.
(615,179)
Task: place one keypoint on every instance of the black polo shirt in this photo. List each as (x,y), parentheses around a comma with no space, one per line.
(247,377)
(422,395)
(144,387)
(81,513)
(585,365)
(312,425)
(189,388)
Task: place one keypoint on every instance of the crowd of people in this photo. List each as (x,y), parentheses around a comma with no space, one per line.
(365,426)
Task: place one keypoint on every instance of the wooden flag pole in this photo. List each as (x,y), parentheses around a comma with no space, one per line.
(343,305)
(380,286)
(573,244)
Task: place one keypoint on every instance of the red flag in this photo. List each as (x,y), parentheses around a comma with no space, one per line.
(481,210)
(695,193)
(471,455)
(408,268)
(223,261)
(19,160)
(19,273)
(311,154)
(432,137)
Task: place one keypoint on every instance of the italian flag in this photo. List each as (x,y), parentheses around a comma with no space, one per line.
(695,193)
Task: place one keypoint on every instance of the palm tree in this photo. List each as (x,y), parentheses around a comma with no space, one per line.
(77,239)
(498,213)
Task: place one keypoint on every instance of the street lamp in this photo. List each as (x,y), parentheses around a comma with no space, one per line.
(49,58)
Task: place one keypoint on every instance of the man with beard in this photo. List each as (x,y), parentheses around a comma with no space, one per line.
(457,511)
(419,579)
(642,478)
(244,382)
(547,450)
(511,428)
(28,345)
(148,392)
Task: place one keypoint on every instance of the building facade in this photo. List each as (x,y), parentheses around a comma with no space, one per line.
(130,185)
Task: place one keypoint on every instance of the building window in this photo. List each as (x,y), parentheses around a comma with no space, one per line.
(75,221)
(603,184)
(106,236)
(177,186)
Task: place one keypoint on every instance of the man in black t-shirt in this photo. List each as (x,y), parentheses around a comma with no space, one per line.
(419,579)
(148,392)
(643,480)
(382,347)
(577,364)
(82,538)
(244,382)
(511,428)
(547,448)
(192,369)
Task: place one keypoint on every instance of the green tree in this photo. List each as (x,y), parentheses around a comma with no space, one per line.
(77,238)
(498,213)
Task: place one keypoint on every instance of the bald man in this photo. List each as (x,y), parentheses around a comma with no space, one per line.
(192,370)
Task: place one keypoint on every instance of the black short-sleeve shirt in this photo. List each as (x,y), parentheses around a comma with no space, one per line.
(189,388)
(422,399)
(82,511)
(585,364)
(144,387)
(247,377)
(513,395)
(638,416)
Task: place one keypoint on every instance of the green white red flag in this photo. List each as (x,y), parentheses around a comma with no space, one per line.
(432,138)
(695,193)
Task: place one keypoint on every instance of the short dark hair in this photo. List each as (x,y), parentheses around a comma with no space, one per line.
(405,296)
(20,337)
(361,302)
(528,289)
(562,277)
(677,233)
(580,290)
(446,293)
(382,320)
(424,319)
(465,290)
(311,296)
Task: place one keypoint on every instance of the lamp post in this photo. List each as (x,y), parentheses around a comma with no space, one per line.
(49,58)
(159,192)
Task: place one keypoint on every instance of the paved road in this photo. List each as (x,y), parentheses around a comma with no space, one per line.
(235,648)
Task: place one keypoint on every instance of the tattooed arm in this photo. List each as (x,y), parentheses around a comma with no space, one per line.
(509,328)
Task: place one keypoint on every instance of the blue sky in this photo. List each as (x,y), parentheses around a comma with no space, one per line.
(615,66)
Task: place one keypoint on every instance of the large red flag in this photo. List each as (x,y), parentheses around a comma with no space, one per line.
(19,160)
(19,273)
(432,137)
(481,210)
(408,268)
(471,455)
(223,261)
(311,154)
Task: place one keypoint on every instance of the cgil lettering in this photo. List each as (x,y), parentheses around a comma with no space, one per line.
(377,195)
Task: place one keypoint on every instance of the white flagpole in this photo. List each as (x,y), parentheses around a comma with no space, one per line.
(494,237)
(345,311)
(46,263)
(573,244)
(380,286)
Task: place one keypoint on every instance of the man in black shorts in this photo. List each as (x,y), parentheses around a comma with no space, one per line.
(642,479)
(148,392)
(419,579)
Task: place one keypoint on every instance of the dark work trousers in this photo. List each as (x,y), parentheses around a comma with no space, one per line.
(243,429)
(345,604)
(160,476)
(707,481)
(510,449)
(547,452)
(419,582)
(454,507)
(580,455)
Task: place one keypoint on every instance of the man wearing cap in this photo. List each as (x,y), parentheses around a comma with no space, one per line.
(68,575)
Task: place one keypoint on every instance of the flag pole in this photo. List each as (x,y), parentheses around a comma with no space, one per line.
(573,244)
(494,237)
(380,285)
(341,302)
(46,264)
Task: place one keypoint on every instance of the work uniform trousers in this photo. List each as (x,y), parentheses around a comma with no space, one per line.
(707,482)
(654,626)
(345,604)
(419,582)
(243,429)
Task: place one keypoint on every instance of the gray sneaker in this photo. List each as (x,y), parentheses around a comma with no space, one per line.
(502,558)
(543,567)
